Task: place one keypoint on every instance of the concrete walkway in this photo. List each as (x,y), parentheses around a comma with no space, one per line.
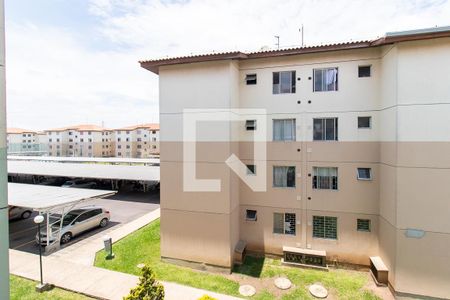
(93,281)
(72,268)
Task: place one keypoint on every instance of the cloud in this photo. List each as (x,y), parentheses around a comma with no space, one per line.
(55,78)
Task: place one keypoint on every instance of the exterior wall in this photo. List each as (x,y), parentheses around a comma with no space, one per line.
(4,223)
(405,147)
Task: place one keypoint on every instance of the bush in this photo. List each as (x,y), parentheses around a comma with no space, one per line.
(148,288)
(206,297)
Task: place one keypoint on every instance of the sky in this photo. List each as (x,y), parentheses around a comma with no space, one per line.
(76,61)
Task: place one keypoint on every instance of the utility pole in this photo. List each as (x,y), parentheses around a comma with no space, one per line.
(278,41)
(4,209)
(302,32)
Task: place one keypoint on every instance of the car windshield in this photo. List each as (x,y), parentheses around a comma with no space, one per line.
(67,220)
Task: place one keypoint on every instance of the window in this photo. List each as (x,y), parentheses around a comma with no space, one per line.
(250,79)
(118,139)
(50,140)
(325,129)
(119,153)
(154,139)
(325,178)
(284,130)
(325,227)
(128,146)
(139,146)
(283,176)
(89,147)
(127,139)
(153,131)
(325,80)
(250,125)
(154,146)
(81,140)
(364,71)
(284,223)
(364,122)
(364,174)
(363,225)
(251,169)
(283,82)
(250,215)
(119,146)
(128,132)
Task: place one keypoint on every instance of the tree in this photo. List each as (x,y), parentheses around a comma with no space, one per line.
(148,288)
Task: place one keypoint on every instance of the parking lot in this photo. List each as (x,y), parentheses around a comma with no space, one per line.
(124,207)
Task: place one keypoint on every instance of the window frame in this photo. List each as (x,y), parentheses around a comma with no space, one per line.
(284,139)
(324,129)
(364,66)
(291,230)
(251,79)
(364,178)
(250,125)
(336,84)
(370,122)
(287,179)
(326,219)
(316,181)
(251,219)
(251,172)
(361,229)
(277,87)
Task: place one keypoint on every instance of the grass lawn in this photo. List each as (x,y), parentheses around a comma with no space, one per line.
(142,246)
(23,289)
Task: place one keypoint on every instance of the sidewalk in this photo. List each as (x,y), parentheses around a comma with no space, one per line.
(93,281)
(72,268)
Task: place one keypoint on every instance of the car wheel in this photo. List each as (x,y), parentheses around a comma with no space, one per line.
(103,222)
(26,214)
(66,237)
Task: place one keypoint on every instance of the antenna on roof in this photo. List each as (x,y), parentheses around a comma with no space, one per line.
(278,41)
(302,31)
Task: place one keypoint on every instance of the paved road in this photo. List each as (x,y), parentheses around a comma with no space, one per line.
(124,207)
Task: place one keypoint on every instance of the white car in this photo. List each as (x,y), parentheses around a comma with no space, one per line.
(16,212)
(79,183)
(74,223)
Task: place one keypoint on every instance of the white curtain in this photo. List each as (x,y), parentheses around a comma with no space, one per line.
(280,176)
(331,76)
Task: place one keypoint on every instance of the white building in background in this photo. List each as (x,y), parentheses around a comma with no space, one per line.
(86,140)
(24,141)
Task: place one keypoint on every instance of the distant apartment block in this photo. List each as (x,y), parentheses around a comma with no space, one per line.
(137,141)
(86,141)
(357,147)
(20,141)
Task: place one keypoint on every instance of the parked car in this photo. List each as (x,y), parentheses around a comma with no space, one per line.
(16,212)
(79,183)
(74,223)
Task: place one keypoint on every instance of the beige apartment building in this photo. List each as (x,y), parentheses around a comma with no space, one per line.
(358,141)
(138,141)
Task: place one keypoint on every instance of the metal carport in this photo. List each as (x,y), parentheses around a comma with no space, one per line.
(50,200)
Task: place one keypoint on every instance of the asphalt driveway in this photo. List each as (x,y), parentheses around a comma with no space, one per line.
(124,207)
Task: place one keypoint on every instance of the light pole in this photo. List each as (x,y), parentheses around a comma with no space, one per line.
(41,287)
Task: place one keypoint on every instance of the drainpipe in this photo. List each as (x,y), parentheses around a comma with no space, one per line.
(4,230)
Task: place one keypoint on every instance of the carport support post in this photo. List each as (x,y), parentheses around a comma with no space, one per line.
(4,230)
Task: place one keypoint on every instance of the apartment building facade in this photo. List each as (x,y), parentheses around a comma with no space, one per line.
(357,136)
(138,141)
(20,141)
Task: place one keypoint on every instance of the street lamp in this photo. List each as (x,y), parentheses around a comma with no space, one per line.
(41,287)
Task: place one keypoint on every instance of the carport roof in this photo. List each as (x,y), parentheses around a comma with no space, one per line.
(112,160)
(44,198)
(77,170)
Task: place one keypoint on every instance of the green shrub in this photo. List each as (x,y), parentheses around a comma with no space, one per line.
(148,288)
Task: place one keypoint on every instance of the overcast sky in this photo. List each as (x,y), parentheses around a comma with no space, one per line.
(76,61)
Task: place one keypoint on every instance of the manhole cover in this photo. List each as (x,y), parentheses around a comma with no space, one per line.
(247,290)
(283,283)
(140,266)
(318,291)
